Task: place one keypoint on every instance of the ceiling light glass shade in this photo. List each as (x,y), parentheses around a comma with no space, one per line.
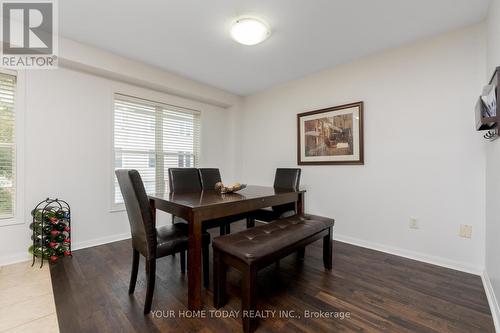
(250,31)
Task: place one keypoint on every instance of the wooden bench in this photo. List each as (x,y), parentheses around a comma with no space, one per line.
(255,248)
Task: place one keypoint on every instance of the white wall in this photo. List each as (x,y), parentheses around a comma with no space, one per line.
(422,155)
(492,169)
(93,60)
(493,29)
(68,132)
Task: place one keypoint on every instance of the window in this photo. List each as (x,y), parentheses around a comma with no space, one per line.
(7,146)
(152,137)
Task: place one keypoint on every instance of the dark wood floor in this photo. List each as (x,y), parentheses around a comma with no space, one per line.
(382,293)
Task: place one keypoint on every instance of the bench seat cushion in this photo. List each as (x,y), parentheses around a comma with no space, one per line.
(258,242)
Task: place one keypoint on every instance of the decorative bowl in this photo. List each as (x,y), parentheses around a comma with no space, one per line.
(222,189)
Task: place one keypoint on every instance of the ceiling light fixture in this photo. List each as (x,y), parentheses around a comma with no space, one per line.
(250,31)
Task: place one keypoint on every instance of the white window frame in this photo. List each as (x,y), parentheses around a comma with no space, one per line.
(19,109)
(152,100)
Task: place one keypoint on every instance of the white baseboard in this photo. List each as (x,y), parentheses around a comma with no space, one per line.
(14,258)
(25,256)
(492,300)
(439,261)
(100,241)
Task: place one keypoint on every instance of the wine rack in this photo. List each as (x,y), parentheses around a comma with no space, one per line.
(51,231)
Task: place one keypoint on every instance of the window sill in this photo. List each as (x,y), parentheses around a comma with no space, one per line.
(10,222)
(117,208)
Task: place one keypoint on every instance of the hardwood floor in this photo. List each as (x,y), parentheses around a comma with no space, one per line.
(382,293)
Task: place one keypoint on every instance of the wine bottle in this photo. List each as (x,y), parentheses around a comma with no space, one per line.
(49,215)
(37,227)
(47,229)
(39,240)
(60,214)
(59,238)
(37,250)
(60,226)
(37,215)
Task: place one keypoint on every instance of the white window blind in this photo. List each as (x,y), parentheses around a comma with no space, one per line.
(7,146)
(152,137)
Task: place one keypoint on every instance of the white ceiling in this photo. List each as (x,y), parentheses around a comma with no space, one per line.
(191,38)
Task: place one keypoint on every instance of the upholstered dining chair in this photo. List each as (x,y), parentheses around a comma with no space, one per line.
(209,177)
(285,179)
(184,180)
(147,239)
(187,180)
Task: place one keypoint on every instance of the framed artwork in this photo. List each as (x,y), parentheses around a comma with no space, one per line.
(331,136)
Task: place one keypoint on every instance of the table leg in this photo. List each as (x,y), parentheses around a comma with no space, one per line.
(152,204)
(194,264)
(299,209)
(299,205)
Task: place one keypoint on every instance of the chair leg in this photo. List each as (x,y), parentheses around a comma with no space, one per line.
(151,276)
(228,228)
(222,229)
(328,250)
(173,219)
(183,262)
(250,222)
(135,268)
(220,298)
(248,301)
(301,253)
(206,266)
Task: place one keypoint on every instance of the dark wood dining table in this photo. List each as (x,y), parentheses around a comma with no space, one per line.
(206,205)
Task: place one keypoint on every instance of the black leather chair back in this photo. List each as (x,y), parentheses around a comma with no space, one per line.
(209,177)
(139,212)
(184,180)
(286,179)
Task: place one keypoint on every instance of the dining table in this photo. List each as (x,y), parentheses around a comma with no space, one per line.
(197,207)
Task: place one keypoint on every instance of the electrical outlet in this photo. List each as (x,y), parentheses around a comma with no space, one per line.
(465,231)
(413,223)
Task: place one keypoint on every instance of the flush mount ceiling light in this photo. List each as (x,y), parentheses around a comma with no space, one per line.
(250,31)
